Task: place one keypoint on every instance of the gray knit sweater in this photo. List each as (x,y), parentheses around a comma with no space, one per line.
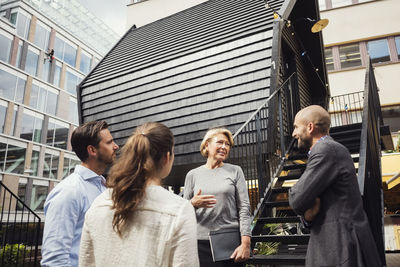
(228,185)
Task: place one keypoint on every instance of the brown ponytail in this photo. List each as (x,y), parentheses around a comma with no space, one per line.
(140,157)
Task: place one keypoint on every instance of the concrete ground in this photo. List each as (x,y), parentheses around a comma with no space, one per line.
(393,259)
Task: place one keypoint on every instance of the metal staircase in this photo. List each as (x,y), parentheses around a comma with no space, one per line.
(272,164)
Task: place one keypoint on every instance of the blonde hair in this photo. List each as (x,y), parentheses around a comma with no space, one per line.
(210,134)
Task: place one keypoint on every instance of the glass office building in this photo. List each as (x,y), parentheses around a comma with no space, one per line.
(38,104)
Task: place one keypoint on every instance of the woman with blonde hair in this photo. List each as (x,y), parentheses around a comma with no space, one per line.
(136,222)
(218,192)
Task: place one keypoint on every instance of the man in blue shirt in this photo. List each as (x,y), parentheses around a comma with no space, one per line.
(67,203)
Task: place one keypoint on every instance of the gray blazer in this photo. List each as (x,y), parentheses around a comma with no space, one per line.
(340,233)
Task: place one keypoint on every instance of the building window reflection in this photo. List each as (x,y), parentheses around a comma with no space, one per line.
(5,44)
(69,166)
(3,112)
(72,80)
(57,134)
(397,41)
(15,159)
(85,63)
(32,123)
(32,59)
(12,87)
(39,194)
(50,166)
(57,75)
(65,51)
(378,50)
(42,35)
(35,162)
(43,99)
(23,23)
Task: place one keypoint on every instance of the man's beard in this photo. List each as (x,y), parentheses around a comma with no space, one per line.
(304,144)
(106,161)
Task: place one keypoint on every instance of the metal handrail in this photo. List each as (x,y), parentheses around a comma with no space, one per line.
(20,229)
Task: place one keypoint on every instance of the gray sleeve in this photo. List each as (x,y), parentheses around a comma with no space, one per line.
(189,185)
(243,203)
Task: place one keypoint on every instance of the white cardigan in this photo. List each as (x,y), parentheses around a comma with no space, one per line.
(162,232)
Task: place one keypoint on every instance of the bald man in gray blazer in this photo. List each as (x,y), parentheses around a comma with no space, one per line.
(327,197)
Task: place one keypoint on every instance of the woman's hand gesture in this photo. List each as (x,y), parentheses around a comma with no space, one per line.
(203,201)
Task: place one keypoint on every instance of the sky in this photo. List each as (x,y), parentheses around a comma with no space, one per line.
(112,12)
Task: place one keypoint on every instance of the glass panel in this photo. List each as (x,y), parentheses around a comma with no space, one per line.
(51,106)
(322,4)
(42,99)
(3,148)
(21,193)
(5,44)
(35,162)
(13,18)
(19,55)
(3,112)
(15,159)
(71,82)
(339,3)
(73,112)
(58,48)
(61,136)
(38,130)
(57,74)
(69,166)
(7,85)
(23,25)
(50,134)
(378,50)
(20,93)
(28,123)
(47,165)
(69,54)
(329,59)
(34,99)
(65,167)
(54,167)
(39,194)
(41,37)
(31,62)
(85,63)
(46,70)
(13,120)
(397,41)
(349,55)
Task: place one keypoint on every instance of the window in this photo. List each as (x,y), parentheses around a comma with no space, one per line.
(13,18)
(397,41)
(23,23)
(18,61)
(46,70)
(11,86)
(32,123)
(349,55)
(73,111)
(35,162)
(65,51)
(32,59)
(44,99)
(50,166)
(13,119)
(329,59)
(85,63)
(322,4)
(5,44)
(40,190)
(57,134)
(3,148)
(15,157)
(378,50)
(339,3)
(69,166)
(3,112)
(71,81)
(57,75)
(42,35)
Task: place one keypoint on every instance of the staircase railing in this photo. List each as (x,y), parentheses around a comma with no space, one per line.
(346,109)
(259,161)
(19,231)
(369,169)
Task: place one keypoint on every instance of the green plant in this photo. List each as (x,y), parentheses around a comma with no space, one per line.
(12,254)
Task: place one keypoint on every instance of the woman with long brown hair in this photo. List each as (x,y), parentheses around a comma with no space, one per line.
(136,222)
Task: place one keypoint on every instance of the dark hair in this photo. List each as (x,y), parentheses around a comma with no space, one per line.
(85,135)
(140,158)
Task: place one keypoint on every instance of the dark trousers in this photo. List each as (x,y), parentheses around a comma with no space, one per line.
(206,257)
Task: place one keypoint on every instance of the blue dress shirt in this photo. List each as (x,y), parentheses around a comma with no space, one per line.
(65,209)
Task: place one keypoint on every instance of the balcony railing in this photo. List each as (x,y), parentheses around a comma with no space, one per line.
(19,231)
(346,109)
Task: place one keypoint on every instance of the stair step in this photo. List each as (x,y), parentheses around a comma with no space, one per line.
(351,132)
(289,219)
(289,177)
(287,259)
(294,167)
(280,190)
(345,128)
(297,157)
(277,203)
(287,239)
